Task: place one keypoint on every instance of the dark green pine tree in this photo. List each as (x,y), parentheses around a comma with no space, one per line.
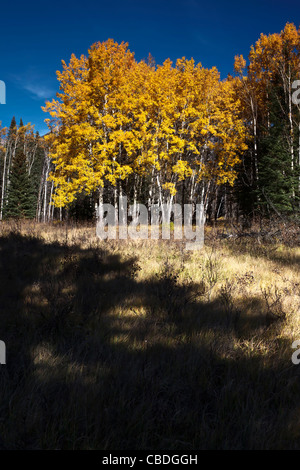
(20,202)
(277,181)
(12,128)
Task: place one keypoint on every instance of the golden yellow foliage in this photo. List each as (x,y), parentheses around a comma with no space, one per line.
(115,117)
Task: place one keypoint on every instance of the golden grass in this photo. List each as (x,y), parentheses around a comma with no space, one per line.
(143,345)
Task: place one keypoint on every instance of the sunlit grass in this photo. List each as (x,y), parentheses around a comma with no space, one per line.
(142,344)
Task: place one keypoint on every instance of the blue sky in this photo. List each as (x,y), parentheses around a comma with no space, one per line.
(36,36)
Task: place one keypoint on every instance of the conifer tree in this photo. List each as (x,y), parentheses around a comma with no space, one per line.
(20,197)
(277,180)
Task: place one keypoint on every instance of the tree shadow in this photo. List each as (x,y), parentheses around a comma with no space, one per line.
(99,360)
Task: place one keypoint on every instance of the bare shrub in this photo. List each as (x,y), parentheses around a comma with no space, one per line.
(227,300)
(273,302)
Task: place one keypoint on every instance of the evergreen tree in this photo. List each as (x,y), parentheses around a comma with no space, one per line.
(277,181)
(20,197)
(12,127)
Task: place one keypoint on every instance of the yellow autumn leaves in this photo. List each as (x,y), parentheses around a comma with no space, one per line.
(115,117)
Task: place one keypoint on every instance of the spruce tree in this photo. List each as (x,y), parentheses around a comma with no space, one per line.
(277,179)
(12,127)
(20,201)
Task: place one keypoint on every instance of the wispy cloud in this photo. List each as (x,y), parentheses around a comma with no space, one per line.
(39,91)
(36,84)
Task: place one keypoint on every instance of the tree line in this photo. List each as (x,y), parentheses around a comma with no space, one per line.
(170,133)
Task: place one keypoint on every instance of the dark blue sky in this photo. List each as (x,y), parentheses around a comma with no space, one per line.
(36,36)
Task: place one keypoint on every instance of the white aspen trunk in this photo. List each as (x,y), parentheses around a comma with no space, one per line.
(3,186)
(116,206)
(192,193)
(150,194)
(32,159)
(50,207)
(10,160)
(299,165)
(255,149)
(42,197)
(46,188)
(52,212)
(39,203)
(192,189)
(225,203)
(254,141)
(170,205)
(206,201)
(100,204)
(160,196)
(140,186)
(135,191)
(45,200)
(291,131)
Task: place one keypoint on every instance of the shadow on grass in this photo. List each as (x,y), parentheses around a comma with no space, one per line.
(99,360)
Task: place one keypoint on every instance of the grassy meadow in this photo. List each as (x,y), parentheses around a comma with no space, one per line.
(144,345)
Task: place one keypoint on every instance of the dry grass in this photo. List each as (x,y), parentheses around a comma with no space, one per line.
(142,345)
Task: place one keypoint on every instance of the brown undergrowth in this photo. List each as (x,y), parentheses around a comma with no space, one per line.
(143,345)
